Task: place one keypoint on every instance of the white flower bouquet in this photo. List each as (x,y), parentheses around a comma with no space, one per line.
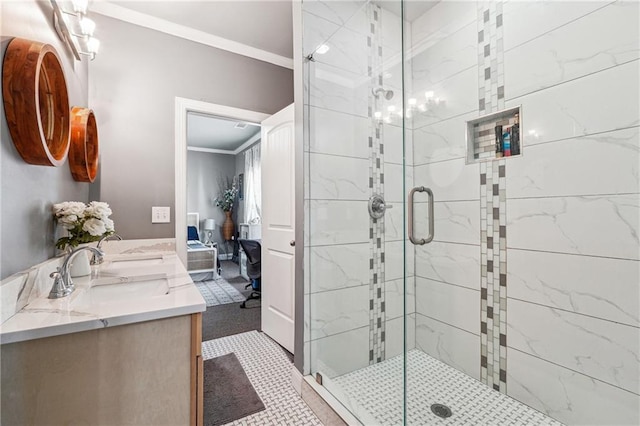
(84,222)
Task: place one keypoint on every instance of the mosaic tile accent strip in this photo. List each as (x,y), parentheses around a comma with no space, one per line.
(377,322)
(218,292)
(269,371)
(431,381)
(493,226)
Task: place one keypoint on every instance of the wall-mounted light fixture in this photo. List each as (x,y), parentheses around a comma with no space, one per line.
(74,28)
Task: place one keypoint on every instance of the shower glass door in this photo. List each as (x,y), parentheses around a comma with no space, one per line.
(358,263)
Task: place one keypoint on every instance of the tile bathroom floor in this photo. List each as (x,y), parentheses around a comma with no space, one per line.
(269,371)
(378,390)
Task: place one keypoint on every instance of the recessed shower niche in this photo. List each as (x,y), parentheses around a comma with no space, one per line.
(495,135)
(36,102)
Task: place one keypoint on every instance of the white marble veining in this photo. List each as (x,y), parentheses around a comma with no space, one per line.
(449,180)
(441,21)
(574,50)
(337,133)
(347,50)
(341,353)
(397,254)
(445,140)
(449,56)
(459,94)
(451,263)
(393,223)
(526,20)
(338,222)
(595,286)
(602,349)
(543,173)
(43,317)
(568,396)
(337,311)
(455,221)
(594,225)
(343,13)
(394,186)
(338,178)
(338,90)
(450,304)
(458,348)
(393,149)
(316,30)
(396,295)
(395,335)
(338,266)
(556,113)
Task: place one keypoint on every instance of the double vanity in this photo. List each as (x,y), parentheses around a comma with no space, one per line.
(123,348)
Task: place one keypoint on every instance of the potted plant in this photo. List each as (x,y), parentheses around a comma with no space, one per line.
(84,223)
(225,200)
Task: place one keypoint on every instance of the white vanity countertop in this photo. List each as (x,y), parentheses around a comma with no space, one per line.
(84,310)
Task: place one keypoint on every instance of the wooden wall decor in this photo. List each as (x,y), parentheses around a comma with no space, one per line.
(84,150)
(36,102)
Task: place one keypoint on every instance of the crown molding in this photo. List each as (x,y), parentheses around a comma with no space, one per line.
(121,13)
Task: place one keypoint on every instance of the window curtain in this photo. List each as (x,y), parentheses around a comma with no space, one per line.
(253,189)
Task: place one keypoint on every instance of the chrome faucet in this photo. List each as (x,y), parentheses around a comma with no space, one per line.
(62,282)
(97,260)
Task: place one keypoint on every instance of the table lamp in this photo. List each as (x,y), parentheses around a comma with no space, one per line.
(209,225)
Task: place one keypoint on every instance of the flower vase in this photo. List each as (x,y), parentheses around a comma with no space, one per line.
(228,228)
(80,265)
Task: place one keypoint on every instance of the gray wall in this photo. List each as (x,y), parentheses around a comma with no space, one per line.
(203,172)
(133,85)
(29,191)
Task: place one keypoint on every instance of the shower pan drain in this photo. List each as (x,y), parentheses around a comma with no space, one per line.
(441,410)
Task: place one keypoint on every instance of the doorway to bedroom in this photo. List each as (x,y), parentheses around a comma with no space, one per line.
(223,220)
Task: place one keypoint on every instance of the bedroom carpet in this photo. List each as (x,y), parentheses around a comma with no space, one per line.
(229,319)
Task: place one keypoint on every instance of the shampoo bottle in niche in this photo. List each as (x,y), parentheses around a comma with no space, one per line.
(498,130)
(506,141)
(515,136)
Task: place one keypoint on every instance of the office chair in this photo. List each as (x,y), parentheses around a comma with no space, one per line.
(253,251)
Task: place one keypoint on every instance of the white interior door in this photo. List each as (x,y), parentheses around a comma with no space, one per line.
(278,227)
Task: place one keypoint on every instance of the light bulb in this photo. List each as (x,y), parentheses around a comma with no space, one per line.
(428,94)
(412,101)
(391,108)
(87,26)
(80,6)
(93,45)
(377,115)
(322,49)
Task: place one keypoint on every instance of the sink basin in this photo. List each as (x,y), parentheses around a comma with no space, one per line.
(108,290)
(133,261)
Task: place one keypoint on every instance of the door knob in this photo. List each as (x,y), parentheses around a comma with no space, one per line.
(292,243)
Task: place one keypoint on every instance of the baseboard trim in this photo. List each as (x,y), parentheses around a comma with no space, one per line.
(296,379)
(326,407)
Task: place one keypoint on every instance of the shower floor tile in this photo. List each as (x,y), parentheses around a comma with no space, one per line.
(378,390)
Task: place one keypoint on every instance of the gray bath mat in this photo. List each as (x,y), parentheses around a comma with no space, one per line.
(228,393)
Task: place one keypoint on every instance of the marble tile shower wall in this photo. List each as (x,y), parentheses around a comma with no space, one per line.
(349,156)
(572,203)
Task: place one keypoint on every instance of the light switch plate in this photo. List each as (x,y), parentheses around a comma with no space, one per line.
(160,214)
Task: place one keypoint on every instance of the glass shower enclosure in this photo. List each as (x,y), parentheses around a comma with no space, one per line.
(472,210)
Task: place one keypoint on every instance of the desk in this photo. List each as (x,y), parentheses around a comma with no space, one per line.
(201,258)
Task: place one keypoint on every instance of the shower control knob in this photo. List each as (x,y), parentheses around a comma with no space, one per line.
(292,243)
(377,206)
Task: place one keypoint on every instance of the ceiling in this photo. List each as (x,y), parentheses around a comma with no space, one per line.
(265,25)
(206,131)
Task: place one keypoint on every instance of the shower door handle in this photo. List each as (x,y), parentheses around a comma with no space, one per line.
(412,238)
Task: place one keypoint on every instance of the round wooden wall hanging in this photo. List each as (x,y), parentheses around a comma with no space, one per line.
(83,153)
(36,102)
